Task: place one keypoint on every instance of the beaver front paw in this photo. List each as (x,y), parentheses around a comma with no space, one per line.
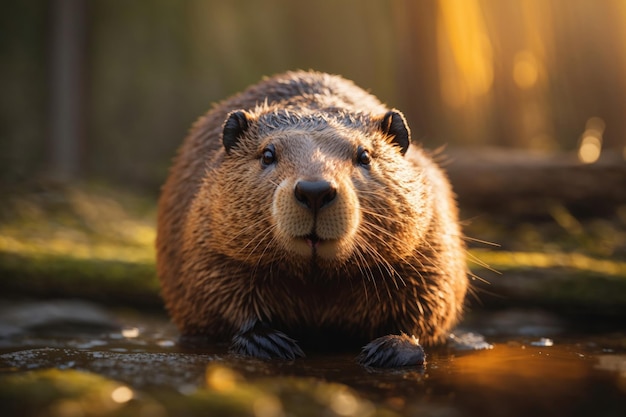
(258,340)
(392,351)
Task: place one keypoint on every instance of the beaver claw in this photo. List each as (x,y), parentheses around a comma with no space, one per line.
(258,340)
(392,351)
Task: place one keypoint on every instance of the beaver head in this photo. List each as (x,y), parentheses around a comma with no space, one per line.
(323,186)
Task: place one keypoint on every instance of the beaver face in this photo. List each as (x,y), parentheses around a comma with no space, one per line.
(315,208)
(323,190)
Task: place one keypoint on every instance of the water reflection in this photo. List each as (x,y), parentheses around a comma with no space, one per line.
(515,379)
(574,375)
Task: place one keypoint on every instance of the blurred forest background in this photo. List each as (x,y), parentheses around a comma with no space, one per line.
(107,89)
(529,96)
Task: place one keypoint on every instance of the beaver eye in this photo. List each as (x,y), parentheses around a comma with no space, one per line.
(363,156)
(268,157)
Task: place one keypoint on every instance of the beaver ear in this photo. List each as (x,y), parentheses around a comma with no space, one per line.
(394,125)
(236,124)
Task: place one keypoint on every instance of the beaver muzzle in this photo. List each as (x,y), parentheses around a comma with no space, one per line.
(315,195)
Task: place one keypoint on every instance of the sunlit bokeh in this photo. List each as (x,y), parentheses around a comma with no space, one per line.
(590,149)
(122,394)
(221,379)
(590,146)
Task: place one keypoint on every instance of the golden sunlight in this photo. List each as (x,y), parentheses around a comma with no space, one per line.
(465,52)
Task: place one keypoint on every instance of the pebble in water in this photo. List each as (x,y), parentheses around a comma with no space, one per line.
(543,342)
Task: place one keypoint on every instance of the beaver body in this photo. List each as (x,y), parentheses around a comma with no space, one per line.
(299,209)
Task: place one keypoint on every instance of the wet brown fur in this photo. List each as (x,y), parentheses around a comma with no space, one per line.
(221,261)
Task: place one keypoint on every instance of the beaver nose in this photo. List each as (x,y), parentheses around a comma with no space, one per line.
(315,195)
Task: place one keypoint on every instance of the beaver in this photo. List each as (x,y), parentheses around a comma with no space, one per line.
(299,211)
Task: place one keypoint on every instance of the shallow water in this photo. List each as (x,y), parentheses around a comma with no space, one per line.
(539,365)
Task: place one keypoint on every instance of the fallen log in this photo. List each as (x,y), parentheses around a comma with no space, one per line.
(515,183)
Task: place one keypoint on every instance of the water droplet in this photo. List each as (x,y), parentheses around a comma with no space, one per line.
(130,332)
(166,343)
